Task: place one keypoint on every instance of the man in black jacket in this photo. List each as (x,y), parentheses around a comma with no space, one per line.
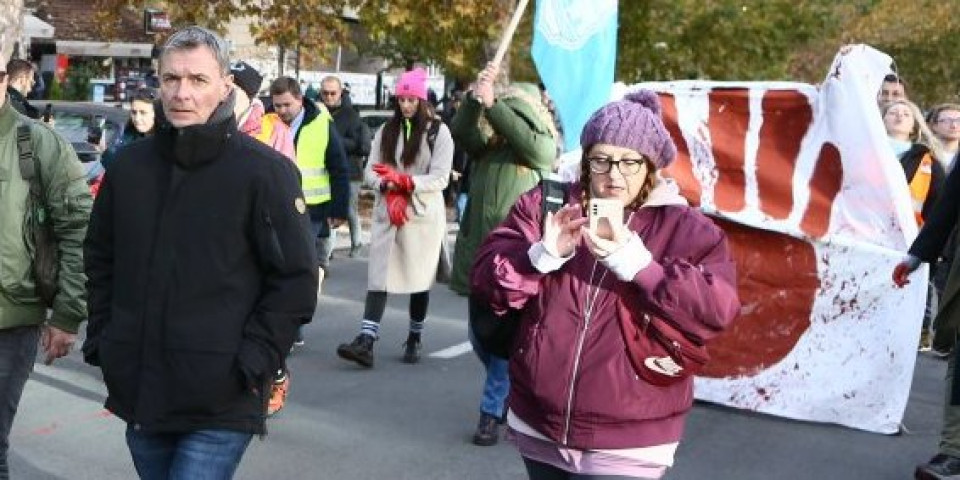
(356,141)
(201,267)
(20,82)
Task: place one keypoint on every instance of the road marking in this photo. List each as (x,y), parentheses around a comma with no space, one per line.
(454,351)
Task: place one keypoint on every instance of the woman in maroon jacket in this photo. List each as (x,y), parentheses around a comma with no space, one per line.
(578,407)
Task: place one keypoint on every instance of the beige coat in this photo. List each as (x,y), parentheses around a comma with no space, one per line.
(405,259)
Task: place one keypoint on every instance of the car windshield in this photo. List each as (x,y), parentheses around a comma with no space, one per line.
(74,127)
(374,119)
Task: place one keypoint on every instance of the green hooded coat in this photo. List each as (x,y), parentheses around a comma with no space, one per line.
(509,153)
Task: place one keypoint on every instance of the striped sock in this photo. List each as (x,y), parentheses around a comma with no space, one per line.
(416,327)
(369,327)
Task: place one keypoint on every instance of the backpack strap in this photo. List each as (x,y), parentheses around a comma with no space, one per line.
(30,166)
(432,131)
(554,195)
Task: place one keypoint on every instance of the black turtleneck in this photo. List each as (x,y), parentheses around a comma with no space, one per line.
(20,103)
(196,145)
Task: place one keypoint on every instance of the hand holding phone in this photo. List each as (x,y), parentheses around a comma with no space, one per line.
(605,214)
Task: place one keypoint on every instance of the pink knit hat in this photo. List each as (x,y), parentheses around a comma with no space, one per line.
(413,84)
(633,123)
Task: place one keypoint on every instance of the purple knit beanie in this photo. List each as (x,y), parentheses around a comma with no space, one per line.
(633,123)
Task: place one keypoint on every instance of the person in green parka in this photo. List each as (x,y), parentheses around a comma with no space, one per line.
(511,141)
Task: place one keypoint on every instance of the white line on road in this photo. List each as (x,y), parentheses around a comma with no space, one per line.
(454,351)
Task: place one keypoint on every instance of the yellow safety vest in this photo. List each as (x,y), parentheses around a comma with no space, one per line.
(311,150)
(920,186)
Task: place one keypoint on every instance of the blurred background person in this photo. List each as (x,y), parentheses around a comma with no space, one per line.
(511,142)
(142,123)
(919,154)
(356,142)
(20,78)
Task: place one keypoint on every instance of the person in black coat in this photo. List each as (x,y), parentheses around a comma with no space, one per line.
(356,138)
(19,84)
(201,266)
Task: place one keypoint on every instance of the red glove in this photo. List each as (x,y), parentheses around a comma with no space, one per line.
(401,181)
(397,207)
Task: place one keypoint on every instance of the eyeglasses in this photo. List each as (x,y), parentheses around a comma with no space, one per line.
(626,166)
(327,93)
(949,121)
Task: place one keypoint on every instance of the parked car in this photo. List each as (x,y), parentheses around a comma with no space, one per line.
(375,118)
(83,123)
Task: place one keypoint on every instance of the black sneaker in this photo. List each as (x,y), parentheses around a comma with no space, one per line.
(411,350)
(360,350)
(354,251)
(487,433)
(940,467)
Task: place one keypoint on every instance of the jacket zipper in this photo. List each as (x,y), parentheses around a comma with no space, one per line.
(573,378)
(589,307)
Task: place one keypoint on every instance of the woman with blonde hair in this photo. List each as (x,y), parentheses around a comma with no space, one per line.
(919,153)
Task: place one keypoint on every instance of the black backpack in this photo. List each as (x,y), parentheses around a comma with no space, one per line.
(496,334)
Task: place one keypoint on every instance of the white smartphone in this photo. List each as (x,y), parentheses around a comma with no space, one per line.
(608,208)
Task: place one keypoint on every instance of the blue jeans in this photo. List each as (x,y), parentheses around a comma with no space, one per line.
(496,386)
(199,455)
(18,350)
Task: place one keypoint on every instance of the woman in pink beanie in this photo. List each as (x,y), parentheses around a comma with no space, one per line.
(593,394)
(408,168)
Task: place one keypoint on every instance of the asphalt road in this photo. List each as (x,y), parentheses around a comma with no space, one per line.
(401,421)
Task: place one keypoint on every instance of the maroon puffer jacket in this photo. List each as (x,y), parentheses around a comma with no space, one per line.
(571,379)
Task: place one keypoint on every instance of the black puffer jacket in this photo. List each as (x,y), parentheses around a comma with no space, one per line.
(200,268)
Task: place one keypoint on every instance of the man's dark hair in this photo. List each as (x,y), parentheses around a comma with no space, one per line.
(18,67)
(285,85)
(894,78)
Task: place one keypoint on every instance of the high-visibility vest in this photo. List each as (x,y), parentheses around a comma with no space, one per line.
(920,186)
(312,158)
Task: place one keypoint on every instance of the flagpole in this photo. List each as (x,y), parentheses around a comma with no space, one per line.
(508,33)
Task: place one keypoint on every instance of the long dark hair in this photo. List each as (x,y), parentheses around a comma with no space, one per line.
(648,183)
(393,128)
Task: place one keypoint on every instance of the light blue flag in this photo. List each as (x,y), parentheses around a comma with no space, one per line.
(575,50)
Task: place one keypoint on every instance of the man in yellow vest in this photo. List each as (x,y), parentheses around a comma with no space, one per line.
(320,156)
(324,176)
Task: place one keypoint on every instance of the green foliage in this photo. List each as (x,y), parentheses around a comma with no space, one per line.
(657,39)
(56,90)
(77,85)
(457,35)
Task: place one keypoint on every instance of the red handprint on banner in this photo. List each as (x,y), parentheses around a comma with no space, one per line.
(777,272)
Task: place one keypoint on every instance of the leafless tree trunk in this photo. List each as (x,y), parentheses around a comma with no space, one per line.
(11,20)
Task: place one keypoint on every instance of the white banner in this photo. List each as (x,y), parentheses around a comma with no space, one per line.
(818,212)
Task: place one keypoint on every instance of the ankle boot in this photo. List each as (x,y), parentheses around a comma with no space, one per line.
(487,433)
(411,349)
(360,350)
